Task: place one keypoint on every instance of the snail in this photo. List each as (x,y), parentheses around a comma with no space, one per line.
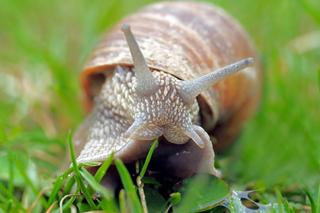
(180,72)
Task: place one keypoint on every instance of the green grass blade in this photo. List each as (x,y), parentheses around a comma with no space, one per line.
(311,200)
(76,170)
(148,158)
(60,180)
(315,204)
(67,204)
(279,200)
(68,186)
(109,200)
(55,189)
(174,198)
(103,168)
(319,79)
(73,158)
(10,196)
(129,187)
(26,178)
(318,201)
(23,172)
(284,206)
(313,11)
(2,198)
(11,172)
(200,193)
(95,185)
(122,201)
(108,206)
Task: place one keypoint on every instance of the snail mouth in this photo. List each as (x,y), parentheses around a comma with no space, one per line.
(182,160)
(177,160)
(101,135)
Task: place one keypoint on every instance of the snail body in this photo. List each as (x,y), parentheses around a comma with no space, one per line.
(172,77)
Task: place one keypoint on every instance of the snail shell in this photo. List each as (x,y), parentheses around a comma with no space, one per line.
(184,40)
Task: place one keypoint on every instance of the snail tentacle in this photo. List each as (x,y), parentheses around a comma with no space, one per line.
(191,133)
(146,83)
(191,89)
(139,130)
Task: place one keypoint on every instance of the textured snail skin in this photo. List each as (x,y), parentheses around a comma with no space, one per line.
(177,42)
(118,106)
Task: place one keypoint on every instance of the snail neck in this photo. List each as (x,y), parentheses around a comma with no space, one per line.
(121,117)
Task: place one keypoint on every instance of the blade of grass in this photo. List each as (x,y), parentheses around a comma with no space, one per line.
(109,202)
(151,181)
(61,179)
(142,173)
(95,185)
(2,198)
(103,168)
(68,203)
(142,195)
(202,192)
(108,206)
(148,158)
(311,200)
(122,201)
(311,10)
(49,210)
(283,203)
(70,183)
(36,200)
(128,186)
(10,196)
(317,208)
(11,172)
(279,200)
(315,205)
(319,79)
(55,189)
(30,183)
(80,184)
(174,199)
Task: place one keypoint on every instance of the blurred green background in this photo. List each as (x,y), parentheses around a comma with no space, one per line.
(44,44)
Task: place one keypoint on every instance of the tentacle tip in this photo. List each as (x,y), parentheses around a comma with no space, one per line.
(217,173)
(125,27)
(249,61)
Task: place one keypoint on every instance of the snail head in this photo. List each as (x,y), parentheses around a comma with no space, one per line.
(167,106)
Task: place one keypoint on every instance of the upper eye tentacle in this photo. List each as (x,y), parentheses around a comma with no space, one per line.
(191,89)
(146,83)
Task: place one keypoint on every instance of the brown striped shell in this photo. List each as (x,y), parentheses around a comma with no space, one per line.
(186,40)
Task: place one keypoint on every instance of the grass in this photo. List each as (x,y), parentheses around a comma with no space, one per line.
(43,47)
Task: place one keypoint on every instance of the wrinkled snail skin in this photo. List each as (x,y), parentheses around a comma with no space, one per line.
(170,72)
